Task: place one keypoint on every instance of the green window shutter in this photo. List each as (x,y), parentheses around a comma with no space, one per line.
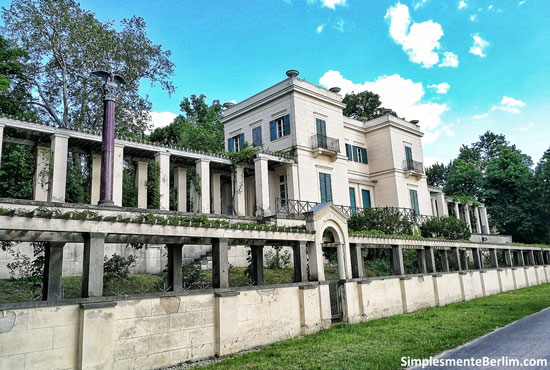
(352,202)
(348,152)
(355,157)
(408,153)
(329,188)
(322,186)
(272,130)
(230,146)
(414,201)
(241,141)
(364,156)
(321,127)
(286,125)
(257,136)
(365,194)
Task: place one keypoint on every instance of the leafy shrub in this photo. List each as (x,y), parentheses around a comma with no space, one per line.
(378,267)
(385,220)
(277,260)
(191,274)
(331,254)
(118,267)
(30,270)
(446,227)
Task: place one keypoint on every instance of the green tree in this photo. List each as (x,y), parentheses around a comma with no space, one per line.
(436,174)
(542,204)
(199,126)
(509,196)
(464,179)
(66,43)
(364,104)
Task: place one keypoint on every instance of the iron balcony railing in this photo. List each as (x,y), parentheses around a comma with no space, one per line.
(295,209)
(325,142)
(414,166)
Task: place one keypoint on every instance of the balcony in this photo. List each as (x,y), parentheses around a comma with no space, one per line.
(413,168)
(322,144)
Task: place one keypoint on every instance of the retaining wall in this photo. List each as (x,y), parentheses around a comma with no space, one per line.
(154,331)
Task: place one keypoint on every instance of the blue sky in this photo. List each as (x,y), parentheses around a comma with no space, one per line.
(460,67)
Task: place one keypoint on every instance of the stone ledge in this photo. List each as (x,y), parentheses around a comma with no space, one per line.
(229,293)
(92,306)
(405,277)
(307,287)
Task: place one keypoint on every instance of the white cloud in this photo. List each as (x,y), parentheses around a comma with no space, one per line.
(473,17)
(320,28)
(490,7)
(481,116)
(449,60)
(522,2)
(402,95)
(509,105)
(526,127)
(462,4)
(441,88)
(161,119)
(339,25)
(419,4)
(479,46)
(328,3)
(428,160)
(419,40)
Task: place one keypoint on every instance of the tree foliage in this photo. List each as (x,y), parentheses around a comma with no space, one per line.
(463,178)
(364,104)
(435,174)
(387,220)
(199,126)
(449,228)
(66,43)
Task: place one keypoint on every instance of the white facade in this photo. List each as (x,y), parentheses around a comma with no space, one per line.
(384,179)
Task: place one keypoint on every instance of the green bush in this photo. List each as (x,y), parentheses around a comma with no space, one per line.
(277,260)
(386,220)
(118,267)
(378,267)
(446,227)
(191,274)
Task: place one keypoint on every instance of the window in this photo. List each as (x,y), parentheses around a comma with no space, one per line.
(282,189)
(235,143)
(356,154)
(409,157)
(257,136)
(365,194)
(279,127)
(352,201)
(414,201)
(325,187)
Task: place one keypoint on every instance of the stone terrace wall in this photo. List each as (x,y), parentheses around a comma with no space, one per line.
(154,331)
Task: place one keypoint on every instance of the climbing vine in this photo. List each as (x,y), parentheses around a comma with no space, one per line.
(153,185)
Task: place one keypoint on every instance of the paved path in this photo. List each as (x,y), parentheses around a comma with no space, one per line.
(528,338)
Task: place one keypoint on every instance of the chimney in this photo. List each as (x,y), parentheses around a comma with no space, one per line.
(292,73)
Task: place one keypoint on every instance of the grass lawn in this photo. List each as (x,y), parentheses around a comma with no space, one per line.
(380,344)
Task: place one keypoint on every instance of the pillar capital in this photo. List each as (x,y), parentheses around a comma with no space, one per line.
(58,135)
(203,160)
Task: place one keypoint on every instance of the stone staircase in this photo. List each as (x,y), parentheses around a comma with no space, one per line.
(204,260)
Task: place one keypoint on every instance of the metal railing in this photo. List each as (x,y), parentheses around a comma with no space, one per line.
(291,208)
(325,142)
(415,166)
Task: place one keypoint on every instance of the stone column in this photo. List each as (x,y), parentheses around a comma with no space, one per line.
(180,183)
(546,257)
(194,198)
(203,170)
(493,257)
(292,181)
(53,268)
(467,217)
(239,200)
(444,261)
(356,260)
(141,184)
(258,264)
(59,147)
(299,253)
(457,211)
(477,259)
(118,168)
(96,336)
(220,264)
(521,260)
(341,261)
(434,207)
(217,193)
(227,326)
(96,179)
(2,125)
(316,262)
(478,220)
(455,257)
(484,220)
(508,258)
(442,205)
(430,259)
(464,260)
(92,265)
(540,257)
(397,260)
(531,258)
(163,159)
(421,258)
(261,175)
(175,277)
(41,174)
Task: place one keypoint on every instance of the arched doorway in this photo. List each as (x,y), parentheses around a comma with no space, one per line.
(334,269)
